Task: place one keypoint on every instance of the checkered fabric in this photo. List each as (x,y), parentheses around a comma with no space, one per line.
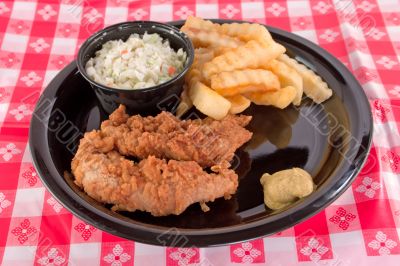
(38,38)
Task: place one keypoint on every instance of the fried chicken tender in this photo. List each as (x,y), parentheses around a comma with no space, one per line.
(153,185)
(207,141)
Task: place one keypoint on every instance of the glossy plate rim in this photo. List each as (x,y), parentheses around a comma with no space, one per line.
(157,235)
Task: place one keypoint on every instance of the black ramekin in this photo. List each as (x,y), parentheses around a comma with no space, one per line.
(148,100)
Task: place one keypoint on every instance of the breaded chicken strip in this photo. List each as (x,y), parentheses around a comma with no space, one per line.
(153,185)
(208,142)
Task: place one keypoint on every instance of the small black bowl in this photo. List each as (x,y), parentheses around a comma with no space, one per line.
(147,100)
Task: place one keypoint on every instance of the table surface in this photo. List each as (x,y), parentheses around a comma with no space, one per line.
(38,38)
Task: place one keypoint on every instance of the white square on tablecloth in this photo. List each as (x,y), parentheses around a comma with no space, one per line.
(14,43)
(8,77)
(388,5)
(353,241)
(3,111)
(207,10)
(27,158)
(386,134)
(64,46)
(394,33)
(281,250)
(85,254)
(148,254)
(392,185)
(23,10)
(359,59)
(346,198)
(28,202)
(70,13)
(115,15)
(161,12)
(310,35)
(349,31)
(275,244)
(299,9)
(253,10)
(21,255)
(50,74)
(375,90)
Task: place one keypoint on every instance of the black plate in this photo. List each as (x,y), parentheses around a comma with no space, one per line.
(282,139)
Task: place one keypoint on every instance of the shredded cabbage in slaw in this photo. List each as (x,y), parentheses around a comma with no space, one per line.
(137,63)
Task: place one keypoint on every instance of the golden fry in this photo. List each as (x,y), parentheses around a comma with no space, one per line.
(239,103)
(246,31)
(208,101)
(204,38)
(314,87)
(251,55)
(280,98)
(288,77)
(244,81)
(201,24)
(185,104)
(243,31)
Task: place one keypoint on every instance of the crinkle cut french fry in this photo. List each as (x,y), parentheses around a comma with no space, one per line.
(204,38)
(199,23)
(243,31)
(313,85)
(208,101)
(251,55)
(280,98)
(239,103)
(243,81)
(246,31)
(287,77)
(201,56)
(185,104)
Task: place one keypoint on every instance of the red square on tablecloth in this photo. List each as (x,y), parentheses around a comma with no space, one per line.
(342,218)
(4,228)
(56,229)
(43,29)
(9,175)
(375,214)
(314,226)
(107,237)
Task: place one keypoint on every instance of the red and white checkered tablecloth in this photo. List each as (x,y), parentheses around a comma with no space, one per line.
(38,38)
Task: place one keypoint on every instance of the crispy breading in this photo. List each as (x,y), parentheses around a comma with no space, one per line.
(207,141)
(154,185)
